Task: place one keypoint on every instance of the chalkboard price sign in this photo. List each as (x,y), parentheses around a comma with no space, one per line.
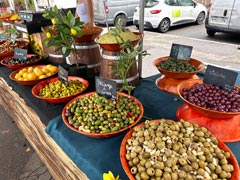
(20,54)
(221,77)
(3,37)
(180,51)
(62,75)
(106,87)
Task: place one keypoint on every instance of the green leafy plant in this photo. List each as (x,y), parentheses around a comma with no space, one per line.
(64,31)
(12,32)
(127,58)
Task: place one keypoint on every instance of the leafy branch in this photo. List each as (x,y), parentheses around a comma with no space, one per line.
(66,28)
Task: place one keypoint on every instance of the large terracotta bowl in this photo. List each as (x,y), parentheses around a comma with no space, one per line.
(179,75)
(36,90)
(90,33)
(201,110)
(101,135)
(29,82)
(232,160)
(116,47)
(18,66)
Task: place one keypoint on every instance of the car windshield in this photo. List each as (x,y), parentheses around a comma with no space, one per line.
(151,3)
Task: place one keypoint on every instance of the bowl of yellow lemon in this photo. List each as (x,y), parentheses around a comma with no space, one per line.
(32,75)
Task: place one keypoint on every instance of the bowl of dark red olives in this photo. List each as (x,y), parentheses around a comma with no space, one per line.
(55,91)
(97,116)
(210,100)
(178,69)
(15,63)
(167,149)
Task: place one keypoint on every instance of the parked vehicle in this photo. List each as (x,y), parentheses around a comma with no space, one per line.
(111,11)
(162,14)
(223,16)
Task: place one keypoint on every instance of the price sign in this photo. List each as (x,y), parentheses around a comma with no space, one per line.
(220,77)
(179,51)
(62,75)
(3,37)
(106,87)
(20,54)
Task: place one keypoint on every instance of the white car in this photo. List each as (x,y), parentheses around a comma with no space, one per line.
(162,14)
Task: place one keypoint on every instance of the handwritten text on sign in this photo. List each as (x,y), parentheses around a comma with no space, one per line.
(106,87)
(220,77)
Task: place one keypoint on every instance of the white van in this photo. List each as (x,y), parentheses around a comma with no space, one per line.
(111,11)
(223,16)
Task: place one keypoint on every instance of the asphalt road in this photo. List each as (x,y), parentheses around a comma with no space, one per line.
(199,32)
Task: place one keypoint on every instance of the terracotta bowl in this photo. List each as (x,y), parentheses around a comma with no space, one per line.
(179,75)
(116,47)
(232,160)
(201,110)
(30,82)
(18,66)
(90,33)
(36,90)
(101,135)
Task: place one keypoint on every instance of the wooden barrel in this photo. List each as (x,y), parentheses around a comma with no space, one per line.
(108,66)
(55,57)
(89,54)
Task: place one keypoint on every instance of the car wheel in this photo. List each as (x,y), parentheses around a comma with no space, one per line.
(211,33)
(200,18)
(164,25)
(121,18)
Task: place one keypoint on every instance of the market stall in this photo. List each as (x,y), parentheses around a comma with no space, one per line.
(65,147)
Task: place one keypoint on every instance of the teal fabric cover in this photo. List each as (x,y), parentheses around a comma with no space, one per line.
(96,156)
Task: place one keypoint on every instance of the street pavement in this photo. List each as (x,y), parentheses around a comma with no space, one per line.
(18,161)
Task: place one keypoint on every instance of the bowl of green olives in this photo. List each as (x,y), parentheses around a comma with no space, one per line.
(167,149)
(99,117)
(14,63)
(210,100)
(55,91)
(178,69)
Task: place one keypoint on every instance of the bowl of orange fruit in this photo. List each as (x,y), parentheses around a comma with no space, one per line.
(32,75)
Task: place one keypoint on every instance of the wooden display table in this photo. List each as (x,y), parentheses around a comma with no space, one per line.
(27,120)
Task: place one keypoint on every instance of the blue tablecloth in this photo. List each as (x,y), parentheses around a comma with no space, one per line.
(96,156)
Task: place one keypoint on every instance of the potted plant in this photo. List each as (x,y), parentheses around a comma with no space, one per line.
(63,33)
(127,58)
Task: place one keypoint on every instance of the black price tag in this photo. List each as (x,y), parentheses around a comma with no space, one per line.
(20,54)
(62,75)
(106,87)
(179,51)
(3,37)
(221,77)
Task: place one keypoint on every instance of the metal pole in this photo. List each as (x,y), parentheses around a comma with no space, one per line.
(141,30)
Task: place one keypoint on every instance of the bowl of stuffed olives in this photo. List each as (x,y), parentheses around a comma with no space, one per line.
(173,150)
(55,91)
(97,116)
(178,69)
(210,100)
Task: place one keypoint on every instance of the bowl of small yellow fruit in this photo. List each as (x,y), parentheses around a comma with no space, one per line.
(32,75)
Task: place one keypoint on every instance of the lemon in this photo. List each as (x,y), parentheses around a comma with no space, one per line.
(73,32)
(42,76)
(53,21)
(30,69)
(48,34)
(31,76)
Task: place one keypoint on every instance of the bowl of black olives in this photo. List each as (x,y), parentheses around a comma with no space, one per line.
(210,100)
(178,69)
(99,117)
(167,149)
(14,63)
(55,91)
